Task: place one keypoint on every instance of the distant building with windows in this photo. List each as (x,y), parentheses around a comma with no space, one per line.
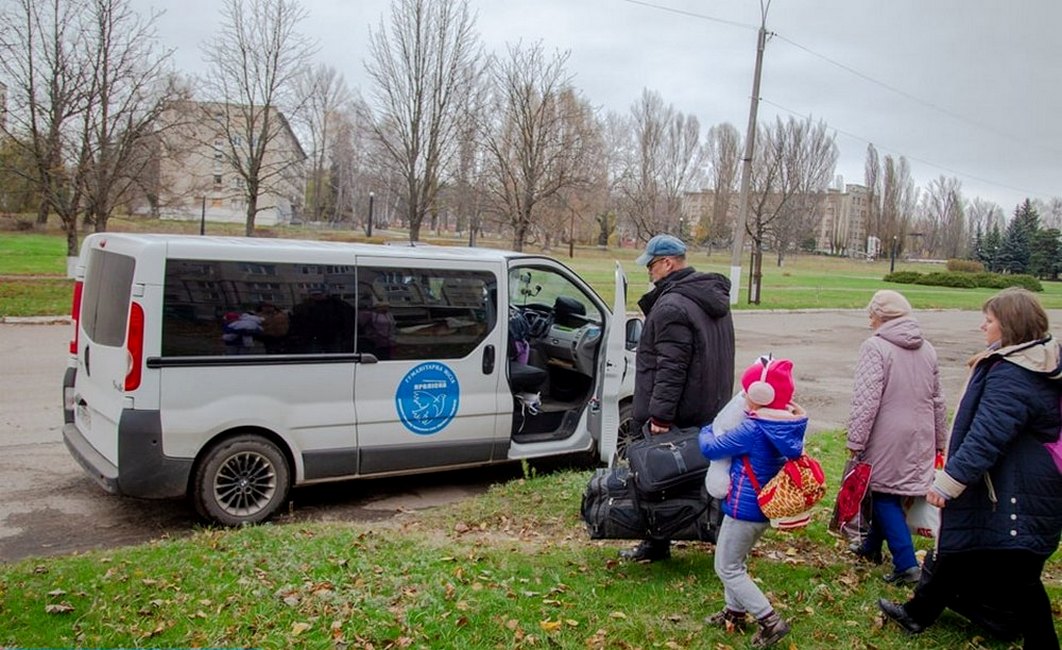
(841,224)
(190,172)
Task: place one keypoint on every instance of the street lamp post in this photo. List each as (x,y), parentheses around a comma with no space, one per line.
(368,226)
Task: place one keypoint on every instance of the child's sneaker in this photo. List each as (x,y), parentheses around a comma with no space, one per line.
(772,628)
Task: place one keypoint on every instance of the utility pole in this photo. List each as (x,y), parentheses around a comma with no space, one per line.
(746,162)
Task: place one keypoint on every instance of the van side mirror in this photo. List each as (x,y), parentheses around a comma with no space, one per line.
(634,333)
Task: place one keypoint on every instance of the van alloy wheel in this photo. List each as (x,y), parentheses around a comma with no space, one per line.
(243,480)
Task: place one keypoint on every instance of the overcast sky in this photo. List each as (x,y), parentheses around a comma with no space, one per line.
(964,88)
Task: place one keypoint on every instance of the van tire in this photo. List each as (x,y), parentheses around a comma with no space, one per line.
(625,434)
(242,480)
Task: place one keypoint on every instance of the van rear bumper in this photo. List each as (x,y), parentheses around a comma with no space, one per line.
(144,470)
(98,467)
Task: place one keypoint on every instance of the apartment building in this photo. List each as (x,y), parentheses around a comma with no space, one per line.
(840,227)
(191,173)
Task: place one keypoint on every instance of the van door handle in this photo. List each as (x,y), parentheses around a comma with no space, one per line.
(488,360)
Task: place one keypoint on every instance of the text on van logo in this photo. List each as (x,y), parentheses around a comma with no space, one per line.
(427,398)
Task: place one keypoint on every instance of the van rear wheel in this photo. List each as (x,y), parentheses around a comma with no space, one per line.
(243,480)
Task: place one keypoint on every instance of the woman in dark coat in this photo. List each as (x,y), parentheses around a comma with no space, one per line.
(1000,491)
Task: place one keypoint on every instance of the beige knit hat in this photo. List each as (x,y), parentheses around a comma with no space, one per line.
(888,304)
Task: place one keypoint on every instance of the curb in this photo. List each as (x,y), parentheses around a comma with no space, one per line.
(36,320)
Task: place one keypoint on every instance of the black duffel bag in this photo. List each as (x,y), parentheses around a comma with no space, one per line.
(667,464)
(612,510)
(610,506)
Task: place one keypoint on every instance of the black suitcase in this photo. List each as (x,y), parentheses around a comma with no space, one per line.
(612,509)
(667,465)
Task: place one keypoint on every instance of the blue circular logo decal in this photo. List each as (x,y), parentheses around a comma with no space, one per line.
(427,398)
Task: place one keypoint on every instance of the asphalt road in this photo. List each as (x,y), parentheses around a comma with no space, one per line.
(48,506)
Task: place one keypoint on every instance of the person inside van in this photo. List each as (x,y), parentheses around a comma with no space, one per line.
(323,323)
(275,325)
(377,330)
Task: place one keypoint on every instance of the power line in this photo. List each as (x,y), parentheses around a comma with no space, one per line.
(949,170)
(691,14)
(867,78)
(918,100)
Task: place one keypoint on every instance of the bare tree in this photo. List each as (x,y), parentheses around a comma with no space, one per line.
(943,222)
(872,181)
(723,152)
(470,173)
(538,138)
(809,164)
(420,69)
(255,61)
(348,183)
(1050,212)
(899,202)
(130,85)
(667,161)
(326,94)
(42,48)
(793,164)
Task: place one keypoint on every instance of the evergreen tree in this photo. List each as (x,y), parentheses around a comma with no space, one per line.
(1016,247)
(1027,216)
(1045,253)
(989,255)
(977,246)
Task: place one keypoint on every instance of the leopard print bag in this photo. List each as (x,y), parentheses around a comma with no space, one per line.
(787,498)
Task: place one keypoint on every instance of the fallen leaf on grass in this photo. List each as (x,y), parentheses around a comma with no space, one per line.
(59,608)
(299,628)
(617,615)
(549,626)
(55,593)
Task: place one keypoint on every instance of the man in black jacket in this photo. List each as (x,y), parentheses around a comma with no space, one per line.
(685,362)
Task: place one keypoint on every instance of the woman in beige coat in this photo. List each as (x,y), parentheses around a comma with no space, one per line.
(897,424)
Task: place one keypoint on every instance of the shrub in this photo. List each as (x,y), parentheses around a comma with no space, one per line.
(1000,281)
(1025,281)
(947,279)
(903,277)
(965,266)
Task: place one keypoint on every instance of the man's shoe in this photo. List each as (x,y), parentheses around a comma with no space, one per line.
(648,551)
(729,620)
(863,554)
(906,577)
(899,614)
(772,628)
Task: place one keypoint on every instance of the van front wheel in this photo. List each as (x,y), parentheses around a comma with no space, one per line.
(243,480)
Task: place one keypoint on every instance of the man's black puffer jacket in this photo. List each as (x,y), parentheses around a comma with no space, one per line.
(685,361)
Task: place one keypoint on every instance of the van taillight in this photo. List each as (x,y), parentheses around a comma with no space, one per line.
(134,345)
(75,313)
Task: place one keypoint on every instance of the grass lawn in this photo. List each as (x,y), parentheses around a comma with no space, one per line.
(509,569)
(804,282)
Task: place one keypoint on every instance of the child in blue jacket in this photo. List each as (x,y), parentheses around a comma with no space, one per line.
(772,431)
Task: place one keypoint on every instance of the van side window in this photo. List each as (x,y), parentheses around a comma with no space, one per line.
(105,305)
(413,314)
(225,308)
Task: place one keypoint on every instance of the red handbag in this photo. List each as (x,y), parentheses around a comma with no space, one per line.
(854,485)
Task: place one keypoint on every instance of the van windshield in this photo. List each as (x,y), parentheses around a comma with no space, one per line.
(105,303)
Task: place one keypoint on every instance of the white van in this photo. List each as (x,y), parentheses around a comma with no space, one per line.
(230,369)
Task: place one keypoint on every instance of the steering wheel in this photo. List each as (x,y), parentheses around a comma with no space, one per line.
(538,322)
